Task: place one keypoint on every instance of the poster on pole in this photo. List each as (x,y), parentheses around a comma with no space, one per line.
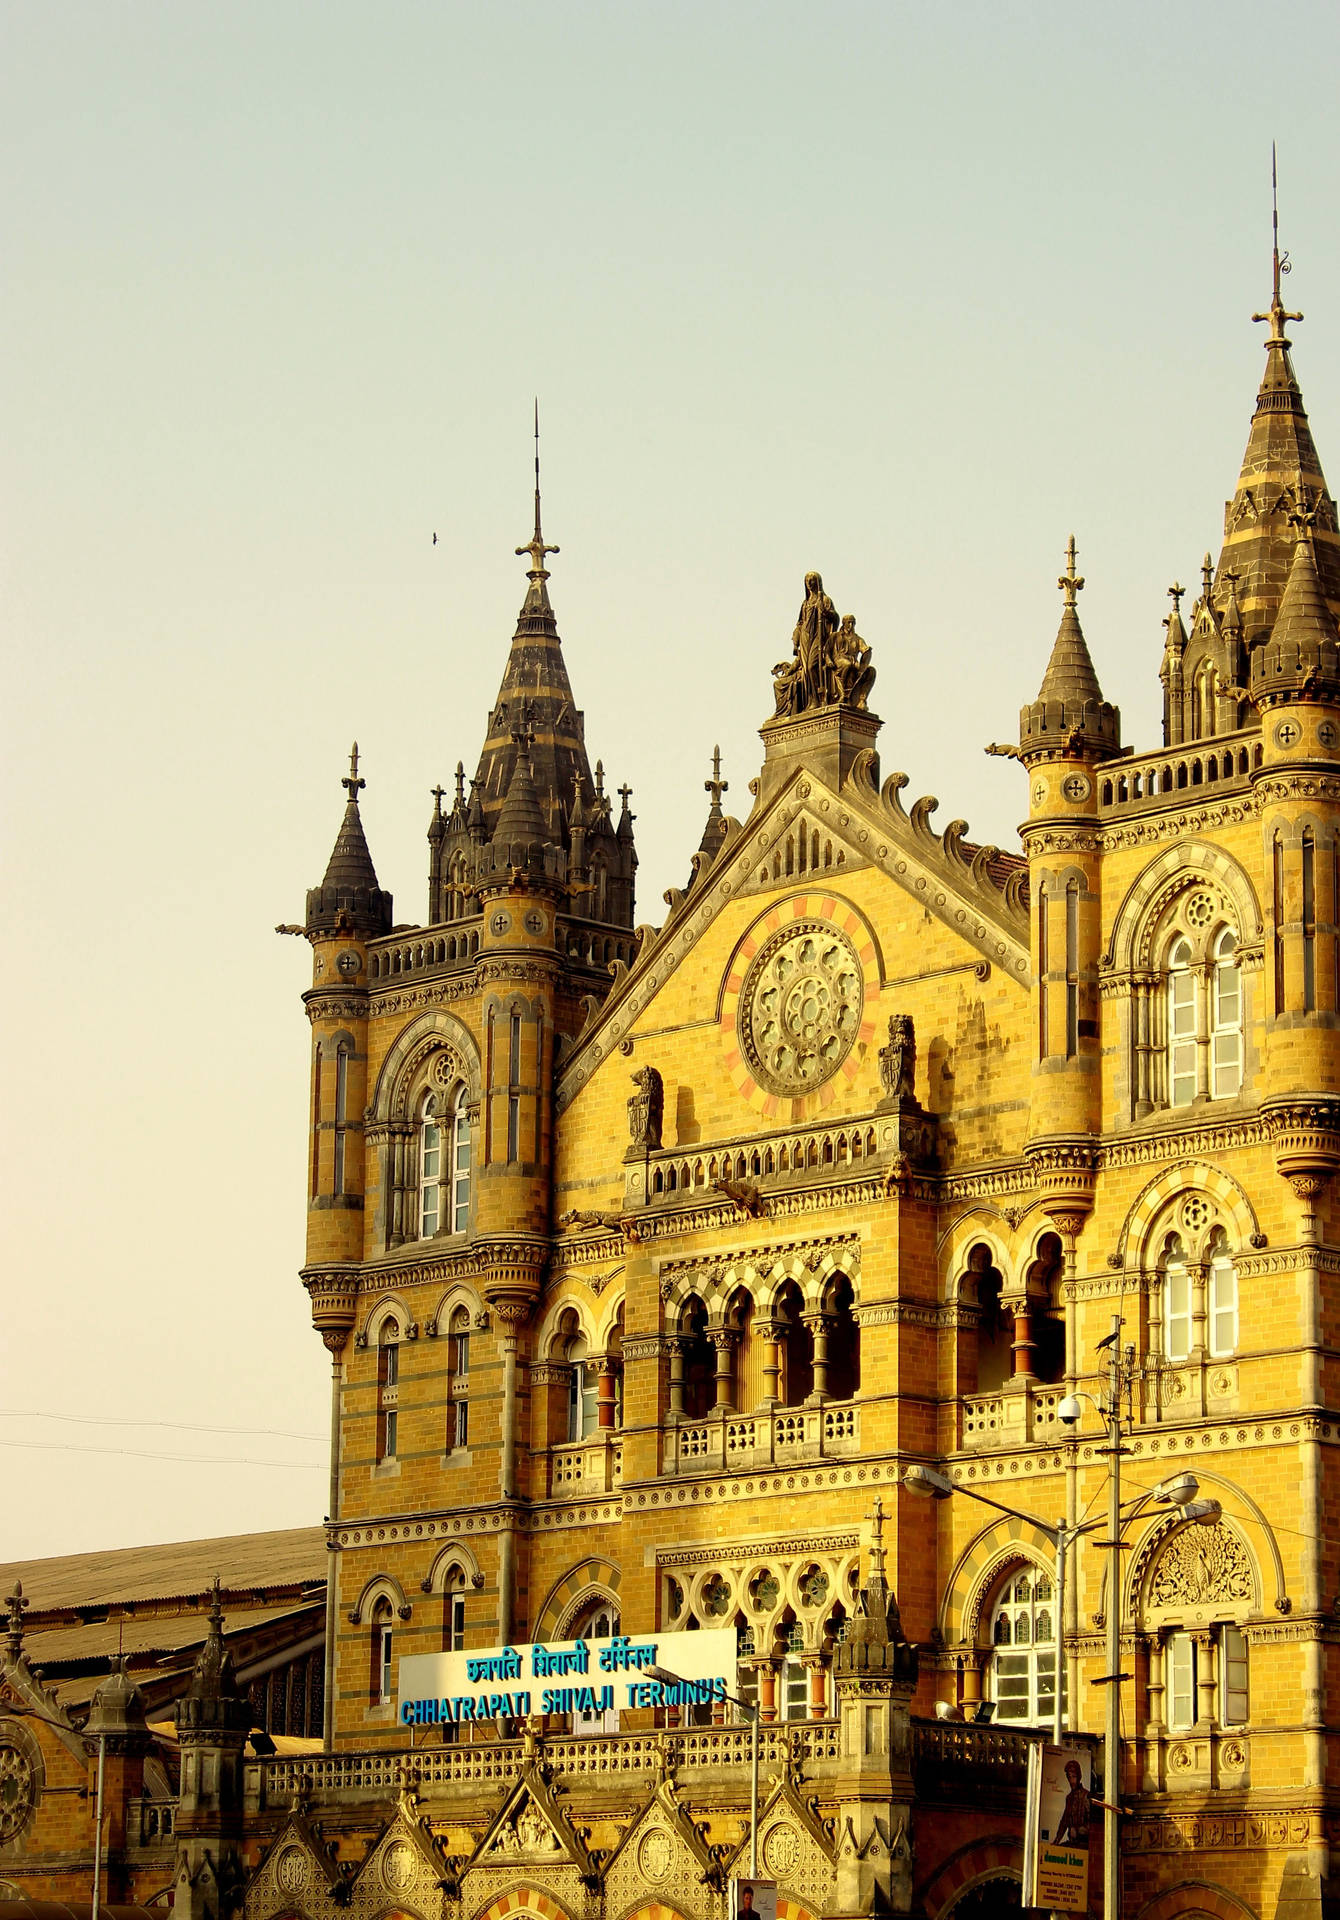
(1057,1814)
(753,1900)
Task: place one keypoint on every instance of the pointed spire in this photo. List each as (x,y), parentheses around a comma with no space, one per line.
(626,815)
(1280,471)
(16,1606)
(1070,714)
(1301,659)
(714,832)
(211,1701)
(349,896)
(537,599)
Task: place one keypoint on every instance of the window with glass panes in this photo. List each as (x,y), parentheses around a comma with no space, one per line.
(460,1166)
(1023,1638)
(1183,1675)
(430,1170)
(458,1380)
(382,1637)
(1181,1026)
(793,1682)
(388,1389)
(1225,1018)
(1176,1302)
(1223,1297)
(583,1394)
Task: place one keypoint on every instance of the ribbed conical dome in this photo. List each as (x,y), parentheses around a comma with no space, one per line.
(349,896)
(1070,714)
(1281,473)
(1300,660)
(520,825)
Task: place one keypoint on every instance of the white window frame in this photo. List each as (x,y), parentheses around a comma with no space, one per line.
(1180,1674)
(1176,1308)
(1234,1691)
(1223,1306)
(458,1379)
(1183,1045)
(1028,1659)
(383,1638)
(459,1162)
(430,1168)
(1225,1017)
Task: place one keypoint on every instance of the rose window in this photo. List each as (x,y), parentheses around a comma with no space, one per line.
(18,1791)
(800,1009)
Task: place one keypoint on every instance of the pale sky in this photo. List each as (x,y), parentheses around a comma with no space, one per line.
(904,293)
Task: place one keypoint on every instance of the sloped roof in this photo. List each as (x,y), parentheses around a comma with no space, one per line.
(294,1556)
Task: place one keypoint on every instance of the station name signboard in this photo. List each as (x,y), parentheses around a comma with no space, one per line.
(566,1676)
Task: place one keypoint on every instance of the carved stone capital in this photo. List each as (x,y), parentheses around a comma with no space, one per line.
(333,1292)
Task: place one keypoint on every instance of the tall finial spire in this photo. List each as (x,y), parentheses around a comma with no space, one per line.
(17,1607)
(537,549)
(877,1542)
(1280,264)
(351,780)
(716,786)
(1070,582)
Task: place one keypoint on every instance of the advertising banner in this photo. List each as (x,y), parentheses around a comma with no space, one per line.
(753,1900)
(566,1676)
(1056,1828)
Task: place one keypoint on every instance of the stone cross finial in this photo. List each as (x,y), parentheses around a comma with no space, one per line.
(437,793)
(1070,582)
(1206,579)
(625,793)
(17,1606)
(716,786)
(351,780)
(876,1520)
(1175,592)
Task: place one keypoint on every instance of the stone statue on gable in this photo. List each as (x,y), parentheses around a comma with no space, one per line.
(829,664)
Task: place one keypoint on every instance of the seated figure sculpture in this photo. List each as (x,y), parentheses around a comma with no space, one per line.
(829,664)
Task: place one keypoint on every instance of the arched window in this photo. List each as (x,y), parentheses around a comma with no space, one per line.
(1206,1671)
(583,1390)
(793,1682)
(388,1389)
(794,1350)
(597,1620)
(453,1611)
(1176,1301)
(458,1132)
(1223,1300)
(1181,1026)
(379,1691)
(699,1360)
(430,1168)
(1023,1638)
(458,1380)
(1225,1017)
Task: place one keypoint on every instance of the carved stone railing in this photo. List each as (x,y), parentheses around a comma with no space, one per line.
(494,1764)
(1012,1417)
(428,950)
(586,1466)
(726,1442)
(954,1751)
(783,1157)
(1175,775)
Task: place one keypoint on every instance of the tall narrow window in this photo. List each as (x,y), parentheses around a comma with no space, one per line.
(388,1389)
(316,1119)
(453,1612)
(1042,973)
(382,1638)
(793,1691)
(514,1090)
(1277,914)
(341,1104)
(1309,924)
(1071,971)
(1225,1017)
(1223,1298)
(458,1380)
(1180,1687)
(583,1399)
(1181,1026)
(1233,1701)
(1176,1303)
(460,1165)
(430,1169)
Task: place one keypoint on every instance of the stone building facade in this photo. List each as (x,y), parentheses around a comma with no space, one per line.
(647,1259)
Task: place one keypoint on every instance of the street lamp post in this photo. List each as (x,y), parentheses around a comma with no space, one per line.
(19,1712)
(1180,1492)
(753,1709)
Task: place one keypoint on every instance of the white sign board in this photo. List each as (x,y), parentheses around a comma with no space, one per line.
(565,1676)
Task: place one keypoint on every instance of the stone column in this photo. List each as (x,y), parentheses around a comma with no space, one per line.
(675,1345)
(723,1339)
(818,1689)
(1023,1346)
(768,1331)
(605,1370)
(818,1326)
(767,1690)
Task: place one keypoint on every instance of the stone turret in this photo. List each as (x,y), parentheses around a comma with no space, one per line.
(1299,661)
(875,1675)
(349,898)
(1070,716)
(213,1719)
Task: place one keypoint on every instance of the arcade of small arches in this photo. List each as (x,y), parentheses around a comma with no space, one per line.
(782,1340)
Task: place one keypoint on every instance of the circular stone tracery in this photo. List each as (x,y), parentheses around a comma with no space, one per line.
(800,1007)
(18,1791)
